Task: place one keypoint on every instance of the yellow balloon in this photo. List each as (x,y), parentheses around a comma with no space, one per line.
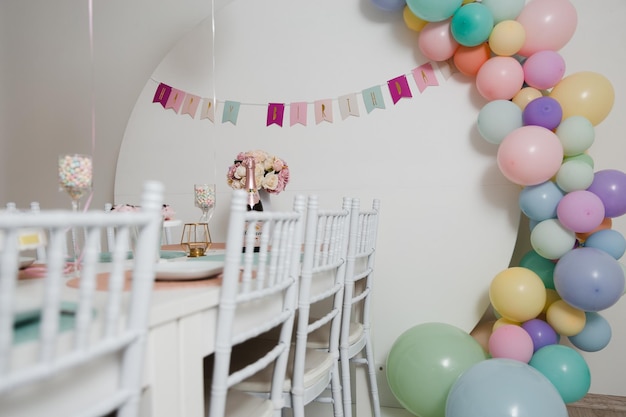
(507,38)
(551,297)
(517,294)
(586,94)
(565,319)
(525,96)
(411,21)
(502,322)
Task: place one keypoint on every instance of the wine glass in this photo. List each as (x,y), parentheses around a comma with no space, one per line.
(75,176)
(204,199)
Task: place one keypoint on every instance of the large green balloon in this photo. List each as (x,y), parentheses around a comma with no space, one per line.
(425,361)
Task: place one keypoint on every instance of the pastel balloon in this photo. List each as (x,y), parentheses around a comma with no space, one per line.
(610,186)
(541,266)
(580,211)
(425,361)
(525,96)
(512,342)
(469,59)
(390,5)
(582,157)
(497,119)
(565,319)
(566,369)
(504,388)
(434,11)
(517,294)
(544,69)
(529,155)
(551,297)
(411,21)
(472,24)
(596,334)
(608,240)
(586,94)
(574,175)
(436,41)
(551,239)
(500,78)
(576,134)
(541,333)
(589,279)
(507,37)
(503,9)
(543,111)
(539,202)
(549,25)
(503,321)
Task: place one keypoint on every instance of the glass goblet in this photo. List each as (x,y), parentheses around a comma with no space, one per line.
(204,199)
(75,176)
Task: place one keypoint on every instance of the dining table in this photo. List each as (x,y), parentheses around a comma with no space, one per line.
(181,328)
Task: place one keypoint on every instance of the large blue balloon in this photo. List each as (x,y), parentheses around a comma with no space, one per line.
(504,388)
(596,334)
(589,279)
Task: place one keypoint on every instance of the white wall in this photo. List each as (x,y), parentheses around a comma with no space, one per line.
(46,81)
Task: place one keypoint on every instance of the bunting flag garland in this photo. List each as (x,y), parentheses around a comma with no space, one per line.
(185,103)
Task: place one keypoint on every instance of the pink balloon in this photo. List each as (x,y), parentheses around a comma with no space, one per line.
(530,155)
(544,69)
(500,78)
(580,211)
(436,41)
(512,342)
(549,25)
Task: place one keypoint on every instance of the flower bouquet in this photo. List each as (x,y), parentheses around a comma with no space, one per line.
(272,173)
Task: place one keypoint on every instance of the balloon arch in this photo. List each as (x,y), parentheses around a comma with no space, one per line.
(542,123)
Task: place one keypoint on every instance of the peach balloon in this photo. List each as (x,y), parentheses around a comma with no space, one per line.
(500,78)
(469,59)
(507,37)
(530,155)
(411,21)
(565,319)
(586,94)
(436,41)
(525,96)
(549,25)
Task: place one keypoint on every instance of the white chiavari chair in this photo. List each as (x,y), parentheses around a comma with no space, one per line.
(262,285)
(94,366)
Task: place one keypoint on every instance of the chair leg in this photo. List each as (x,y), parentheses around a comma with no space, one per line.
(373,384)
(335,387)
(346,388)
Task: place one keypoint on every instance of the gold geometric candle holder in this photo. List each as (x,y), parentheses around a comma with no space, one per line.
(196,239)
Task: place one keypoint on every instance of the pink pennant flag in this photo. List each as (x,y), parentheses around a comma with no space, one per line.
(424,76)
(207,111)
(190,105)
(323,111)
(399,88)
(348,106)
(175,100)
(275,113)
(297,113)
(161,94)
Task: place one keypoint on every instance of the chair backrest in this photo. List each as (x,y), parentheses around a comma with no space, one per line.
(322,277)
(360,267)
(261,286)
(96,331)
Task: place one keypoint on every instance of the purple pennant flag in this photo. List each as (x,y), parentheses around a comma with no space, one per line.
(162,94)
(275,112)
(399,87)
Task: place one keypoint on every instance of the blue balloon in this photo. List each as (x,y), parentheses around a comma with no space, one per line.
(504,388)
(539,202)
(433,10)
(589,279)
(390,5)
(472,24)
(596,334)
(609,240)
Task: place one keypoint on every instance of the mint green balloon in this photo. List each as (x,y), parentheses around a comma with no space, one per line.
(576,134)
(497,119)
(504,9)
(565,368)
(551,239)
(433,10)
(540,266)
(581,157)
(425,361)
(574,175)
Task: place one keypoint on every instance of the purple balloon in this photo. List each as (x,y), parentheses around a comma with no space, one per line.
(589,279)
(543,111)
(610,186)
(541,333)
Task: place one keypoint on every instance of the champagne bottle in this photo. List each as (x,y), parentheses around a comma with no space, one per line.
(254,200)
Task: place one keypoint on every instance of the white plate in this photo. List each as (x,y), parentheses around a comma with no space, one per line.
(25,262)
(175,271)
